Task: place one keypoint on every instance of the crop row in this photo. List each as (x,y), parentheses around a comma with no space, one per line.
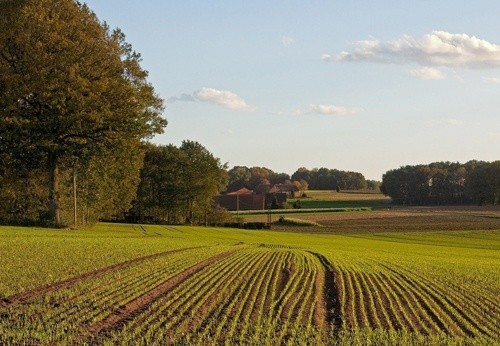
(64,313)
(255,294)
(388,296)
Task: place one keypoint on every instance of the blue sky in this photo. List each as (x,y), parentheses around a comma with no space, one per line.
(364,86)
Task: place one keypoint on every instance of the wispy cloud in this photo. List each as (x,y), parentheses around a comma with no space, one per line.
(287,41)
(455,122)
(222,98)
(329,109)
(427,73)
(437,49)
(493,80)
(227,132)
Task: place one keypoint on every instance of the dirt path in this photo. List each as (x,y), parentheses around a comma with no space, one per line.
(328,310)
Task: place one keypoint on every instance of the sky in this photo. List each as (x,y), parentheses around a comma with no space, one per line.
(360,85)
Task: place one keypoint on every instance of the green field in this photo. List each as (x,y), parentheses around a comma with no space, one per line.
(131,284)
(345,199)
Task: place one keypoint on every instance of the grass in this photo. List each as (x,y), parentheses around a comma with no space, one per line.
(333,199)
(296,222)
(418,277)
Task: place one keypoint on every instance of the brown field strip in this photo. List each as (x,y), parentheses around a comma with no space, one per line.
(141,303)
(328,307)
(31,294)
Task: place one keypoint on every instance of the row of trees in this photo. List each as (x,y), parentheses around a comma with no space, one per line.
(316,179)
(330,179)
(475,182)
(178,183)
(259,179)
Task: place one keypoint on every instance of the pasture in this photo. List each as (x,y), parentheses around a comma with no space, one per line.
(144,284)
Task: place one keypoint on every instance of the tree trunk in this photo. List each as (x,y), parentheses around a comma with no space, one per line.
(53,170)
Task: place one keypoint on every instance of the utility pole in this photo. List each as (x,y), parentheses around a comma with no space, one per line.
(237,205)
(74,195)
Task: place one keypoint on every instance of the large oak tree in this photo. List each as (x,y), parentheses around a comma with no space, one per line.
(69,88)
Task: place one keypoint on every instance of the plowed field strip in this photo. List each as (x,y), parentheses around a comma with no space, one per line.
(28,295)
(139,304)
(329,304)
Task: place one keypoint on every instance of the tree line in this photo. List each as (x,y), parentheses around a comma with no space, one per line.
(333,179)
(444,183)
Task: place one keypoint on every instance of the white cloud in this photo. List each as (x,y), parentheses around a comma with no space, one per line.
(330,109)
(287,41)
(227,132)
(455,122)
(439,48)
(493,80)
(428,73)
(222,98)
(495,135)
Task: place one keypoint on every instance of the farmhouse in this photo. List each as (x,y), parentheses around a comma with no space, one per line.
(245,199)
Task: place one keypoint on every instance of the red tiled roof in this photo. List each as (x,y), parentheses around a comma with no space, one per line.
(242,191)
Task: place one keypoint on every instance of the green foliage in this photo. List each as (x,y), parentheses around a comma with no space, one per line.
(444,183)
(69,88)
(330,179)
(296,222)
(178,184)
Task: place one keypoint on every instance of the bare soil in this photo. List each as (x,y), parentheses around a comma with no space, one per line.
(402,219)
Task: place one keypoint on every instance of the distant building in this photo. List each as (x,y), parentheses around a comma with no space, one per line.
(243,199)
(267,197)
(290,190)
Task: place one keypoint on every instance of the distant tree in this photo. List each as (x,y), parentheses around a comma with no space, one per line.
(302,174)
(179,183)
(239,177)
(304,185)
(69,88)
(444,183)
(373,185)
(329,179)
(483,182)
(278,178)
(260,176)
